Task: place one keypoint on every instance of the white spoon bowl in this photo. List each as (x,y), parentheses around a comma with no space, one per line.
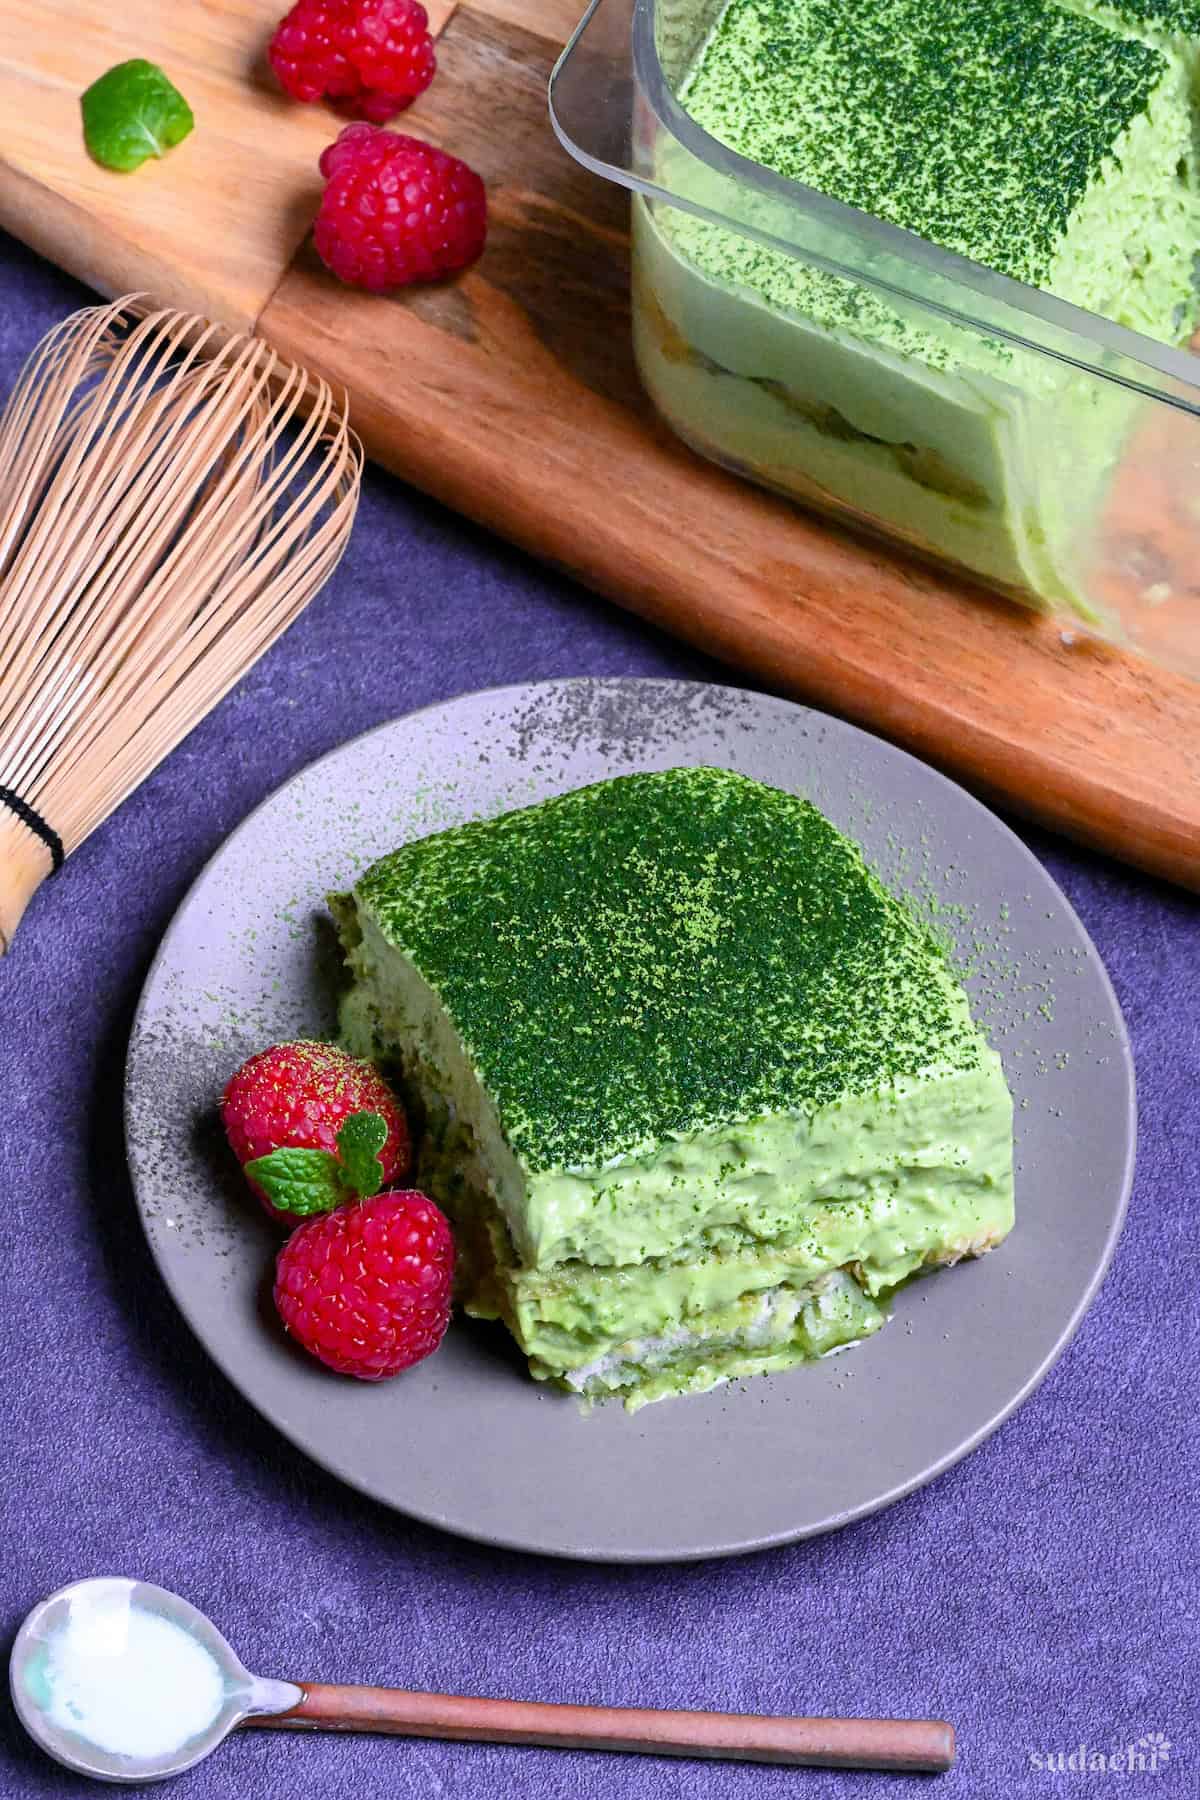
(84,1691)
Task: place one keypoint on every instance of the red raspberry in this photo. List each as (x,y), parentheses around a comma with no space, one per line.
(306,52)
(388,43)
(396,210)
(372,56)
(366,1289)
(297,1097)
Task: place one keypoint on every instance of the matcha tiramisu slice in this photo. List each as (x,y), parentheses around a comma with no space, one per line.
(1052,143)
(695,1090)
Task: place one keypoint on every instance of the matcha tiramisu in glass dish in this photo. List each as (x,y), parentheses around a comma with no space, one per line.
(929,268)
(695,1089)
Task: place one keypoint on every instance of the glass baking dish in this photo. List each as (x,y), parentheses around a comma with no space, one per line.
(1042,450)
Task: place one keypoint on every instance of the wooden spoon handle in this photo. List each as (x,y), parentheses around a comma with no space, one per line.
(902,1744)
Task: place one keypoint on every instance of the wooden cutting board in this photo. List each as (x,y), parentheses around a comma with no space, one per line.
(511,395)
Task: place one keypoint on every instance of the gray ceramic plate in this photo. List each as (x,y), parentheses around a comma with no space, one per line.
(467,1440)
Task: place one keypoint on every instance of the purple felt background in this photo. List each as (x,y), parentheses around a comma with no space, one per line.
(1042,1594)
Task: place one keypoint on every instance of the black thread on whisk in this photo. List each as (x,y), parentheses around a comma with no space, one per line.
(29,815)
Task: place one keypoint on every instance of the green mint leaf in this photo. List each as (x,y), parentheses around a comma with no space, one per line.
(303,1182)
(133,113)
(359,1142)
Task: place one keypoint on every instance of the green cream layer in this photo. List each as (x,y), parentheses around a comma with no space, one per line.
(571,1318)
(751,1336)
(1055,145)
(675,1050)
(969,464)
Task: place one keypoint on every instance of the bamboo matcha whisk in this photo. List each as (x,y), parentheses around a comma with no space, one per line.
(171,497)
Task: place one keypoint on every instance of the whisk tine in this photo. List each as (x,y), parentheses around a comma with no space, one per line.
(171,496)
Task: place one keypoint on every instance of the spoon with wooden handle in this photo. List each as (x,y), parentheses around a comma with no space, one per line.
(127,1682)
(905,1745)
